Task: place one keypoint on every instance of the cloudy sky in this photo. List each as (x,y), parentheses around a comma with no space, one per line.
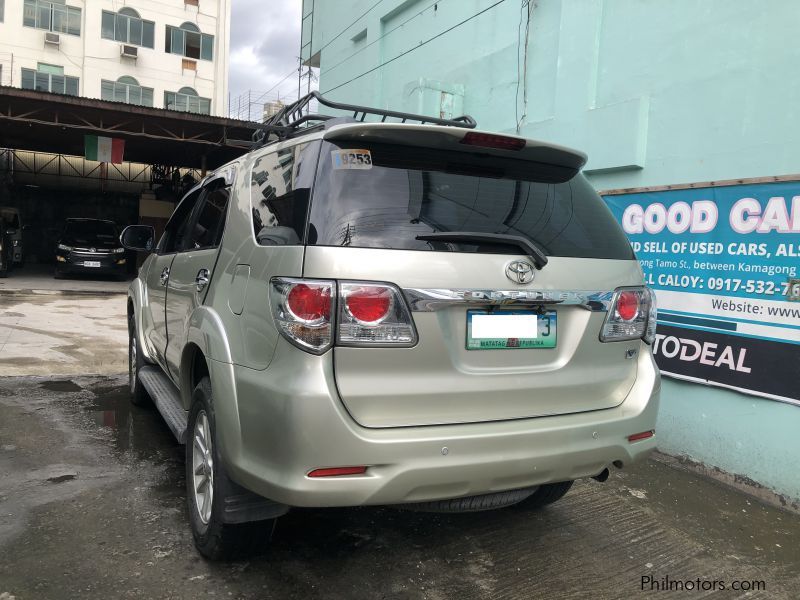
(265,44)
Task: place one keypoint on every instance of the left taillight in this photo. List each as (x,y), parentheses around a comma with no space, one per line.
(631,315)
(303,310)
(313,314)
(373,314)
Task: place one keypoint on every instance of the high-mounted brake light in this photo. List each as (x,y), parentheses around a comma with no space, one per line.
(631,315)
(490,140)
(338,471)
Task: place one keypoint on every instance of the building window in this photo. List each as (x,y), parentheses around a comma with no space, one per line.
(128,27)
(127,90)
(52,15)
(49,78)
(187,100)
(187,41)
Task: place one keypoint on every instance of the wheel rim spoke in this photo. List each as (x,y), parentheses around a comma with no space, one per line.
(203,467)
(198,443)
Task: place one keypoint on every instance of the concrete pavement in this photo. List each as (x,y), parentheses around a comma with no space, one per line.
(92,505)
(51,333)
(40,277)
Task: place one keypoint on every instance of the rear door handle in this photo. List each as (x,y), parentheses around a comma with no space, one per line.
(201,280)
(164,276)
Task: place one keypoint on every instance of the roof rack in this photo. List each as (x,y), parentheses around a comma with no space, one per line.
(288,121)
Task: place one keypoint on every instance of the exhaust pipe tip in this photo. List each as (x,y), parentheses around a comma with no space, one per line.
(602,476)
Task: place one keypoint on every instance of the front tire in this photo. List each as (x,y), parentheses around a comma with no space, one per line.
(206,481)
(139,395)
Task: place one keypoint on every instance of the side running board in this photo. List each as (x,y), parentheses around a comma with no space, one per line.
(167,399)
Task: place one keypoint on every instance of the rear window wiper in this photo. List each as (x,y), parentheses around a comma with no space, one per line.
(539,258)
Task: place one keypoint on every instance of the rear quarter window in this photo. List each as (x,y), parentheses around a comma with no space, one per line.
(280,187)
(405,192)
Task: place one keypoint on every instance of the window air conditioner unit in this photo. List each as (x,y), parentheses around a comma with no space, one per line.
(128,51)
(51,38)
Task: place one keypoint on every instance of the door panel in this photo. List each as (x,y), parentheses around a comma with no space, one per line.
(156,300)
(159,273)
(193,269)
(184,297)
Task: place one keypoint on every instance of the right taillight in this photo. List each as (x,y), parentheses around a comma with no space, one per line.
(373,314)
(631,315)
(314,313)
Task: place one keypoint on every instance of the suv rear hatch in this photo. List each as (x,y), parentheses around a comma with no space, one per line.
(403,183)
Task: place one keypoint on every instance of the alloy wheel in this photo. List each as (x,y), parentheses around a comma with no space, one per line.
(202,467)
(132,373)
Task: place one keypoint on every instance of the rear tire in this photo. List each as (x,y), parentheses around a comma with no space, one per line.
(206,481)
(546,494)
(139,395)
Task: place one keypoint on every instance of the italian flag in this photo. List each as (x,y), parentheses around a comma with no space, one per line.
(104,149)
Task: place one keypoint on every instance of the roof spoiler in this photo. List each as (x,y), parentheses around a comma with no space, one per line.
(452,139)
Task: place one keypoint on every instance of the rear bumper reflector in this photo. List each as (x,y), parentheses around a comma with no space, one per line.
(636,437)
(337,471)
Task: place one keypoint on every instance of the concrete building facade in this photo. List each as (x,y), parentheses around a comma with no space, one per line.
(659,94)
(170,54)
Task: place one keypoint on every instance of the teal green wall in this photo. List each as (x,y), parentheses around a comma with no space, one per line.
(656,92)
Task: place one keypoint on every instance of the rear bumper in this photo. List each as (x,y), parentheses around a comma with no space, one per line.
(276,425)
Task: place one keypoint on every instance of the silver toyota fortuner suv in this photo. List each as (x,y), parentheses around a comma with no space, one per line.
(405,312)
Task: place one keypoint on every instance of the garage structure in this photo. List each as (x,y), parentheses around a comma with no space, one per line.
(43,172)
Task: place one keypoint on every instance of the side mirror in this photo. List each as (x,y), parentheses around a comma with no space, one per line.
(138,237)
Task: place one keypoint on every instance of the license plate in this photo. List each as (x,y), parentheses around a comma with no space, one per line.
(510,330)
(91,263)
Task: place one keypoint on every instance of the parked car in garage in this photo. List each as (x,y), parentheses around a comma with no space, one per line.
(12,229)
(362,313)
(90,246)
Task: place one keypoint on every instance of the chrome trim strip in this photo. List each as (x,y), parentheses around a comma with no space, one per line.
(432,299)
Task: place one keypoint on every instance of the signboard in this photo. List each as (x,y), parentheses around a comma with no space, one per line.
(724,264)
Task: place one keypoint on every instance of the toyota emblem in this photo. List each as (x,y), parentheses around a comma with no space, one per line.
(520,271)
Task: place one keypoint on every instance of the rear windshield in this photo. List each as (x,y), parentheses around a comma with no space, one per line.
(384,196)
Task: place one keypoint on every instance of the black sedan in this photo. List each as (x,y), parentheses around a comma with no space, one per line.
(90,246)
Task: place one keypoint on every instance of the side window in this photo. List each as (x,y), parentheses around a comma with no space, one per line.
(208,227)
(175,231)
(280,185)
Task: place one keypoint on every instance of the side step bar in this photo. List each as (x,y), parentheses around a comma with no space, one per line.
(167,399)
